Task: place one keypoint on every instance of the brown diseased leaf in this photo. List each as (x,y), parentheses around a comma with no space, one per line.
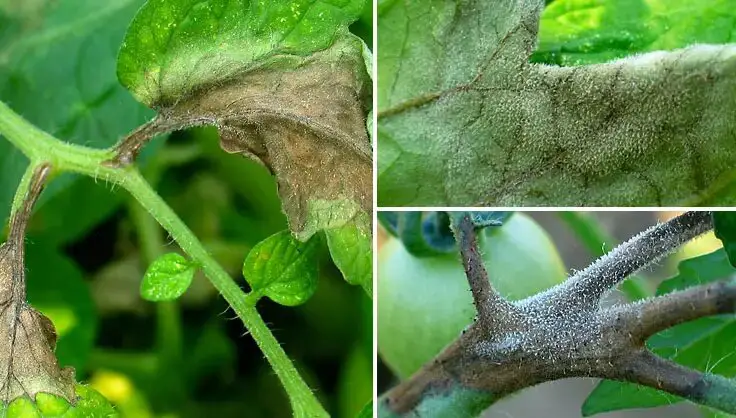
(305,119)
(27,338)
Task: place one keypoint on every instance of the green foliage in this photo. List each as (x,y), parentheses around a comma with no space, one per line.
(174,47)
(466,120)
(725,229)
(247,66)
(283,268)
(705,344)
(352,251)
(575,32)
(90,404)
(167,278)
(57,68)
(428,234)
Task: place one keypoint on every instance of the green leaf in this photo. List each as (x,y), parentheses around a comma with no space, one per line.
(352,251)
(174,47)
(283,268)
(613,396)
(167,278)
(89,404)
(725,230)
(706,344)
(57,69)
(285,83)
(575,32)
(466,120)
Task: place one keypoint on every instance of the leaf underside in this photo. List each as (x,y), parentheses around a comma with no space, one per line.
(466,120)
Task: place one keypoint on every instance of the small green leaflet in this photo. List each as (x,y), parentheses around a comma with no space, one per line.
(283,268)
(352,252)
(705,344)
(725,229)
(167,278)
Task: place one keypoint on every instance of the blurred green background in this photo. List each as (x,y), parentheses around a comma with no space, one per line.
(86,255)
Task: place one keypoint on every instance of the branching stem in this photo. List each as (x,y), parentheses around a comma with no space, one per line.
(489,304)
(39,146)
(555,335)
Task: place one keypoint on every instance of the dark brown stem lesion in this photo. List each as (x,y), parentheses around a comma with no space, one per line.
(127,150)
(566,332)
(15,246)
(489,304)
(27,338)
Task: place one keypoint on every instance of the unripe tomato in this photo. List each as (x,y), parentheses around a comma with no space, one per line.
(425,302)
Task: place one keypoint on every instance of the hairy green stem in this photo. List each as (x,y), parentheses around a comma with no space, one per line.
(38,145)
(300,394)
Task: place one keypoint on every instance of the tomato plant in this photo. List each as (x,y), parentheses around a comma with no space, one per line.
(426,302)
(671,345)
(140,249)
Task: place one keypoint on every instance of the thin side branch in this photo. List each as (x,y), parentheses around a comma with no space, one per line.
(651,316)
(489,304)
(588,286)
(647,369)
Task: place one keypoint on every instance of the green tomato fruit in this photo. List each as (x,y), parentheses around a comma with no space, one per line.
(89,404)
(424,303)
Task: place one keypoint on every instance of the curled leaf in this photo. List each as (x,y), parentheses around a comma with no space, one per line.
(284,82)
(283,268)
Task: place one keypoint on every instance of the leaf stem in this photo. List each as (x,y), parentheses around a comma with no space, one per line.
(38,145)
(301,396)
